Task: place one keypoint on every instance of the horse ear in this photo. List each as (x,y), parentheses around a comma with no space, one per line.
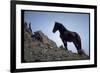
(56,22)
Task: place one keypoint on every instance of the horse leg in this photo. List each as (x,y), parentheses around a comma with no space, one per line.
(75,44)
(78,46)
(65,44)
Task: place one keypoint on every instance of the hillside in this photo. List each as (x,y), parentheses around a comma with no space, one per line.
(39,48)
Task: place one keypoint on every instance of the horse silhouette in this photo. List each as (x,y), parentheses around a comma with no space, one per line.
(68,36)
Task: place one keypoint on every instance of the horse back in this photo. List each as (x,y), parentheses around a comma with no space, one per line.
(70,36)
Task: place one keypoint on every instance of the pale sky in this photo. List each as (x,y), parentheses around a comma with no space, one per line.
(44,21)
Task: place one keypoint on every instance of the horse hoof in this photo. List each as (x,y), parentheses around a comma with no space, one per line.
(80,52)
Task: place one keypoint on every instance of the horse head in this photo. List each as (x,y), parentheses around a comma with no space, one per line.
(56,26)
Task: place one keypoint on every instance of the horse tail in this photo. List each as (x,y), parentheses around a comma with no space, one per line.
(78,39)
(79,46)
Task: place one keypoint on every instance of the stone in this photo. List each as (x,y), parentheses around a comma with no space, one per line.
(30,29)
(44,39)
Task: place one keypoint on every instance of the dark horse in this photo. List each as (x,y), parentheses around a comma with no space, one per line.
(68,36)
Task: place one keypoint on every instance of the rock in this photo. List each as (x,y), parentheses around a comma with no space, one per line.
(27,28)
(25,25)
(30,29)
(44,39)
(61,46)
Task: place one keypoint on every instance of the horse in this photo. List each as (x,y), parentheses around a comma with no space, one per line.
(68,36)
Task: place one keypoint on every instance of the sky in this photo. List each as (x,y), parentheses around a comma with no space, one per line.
(44,21)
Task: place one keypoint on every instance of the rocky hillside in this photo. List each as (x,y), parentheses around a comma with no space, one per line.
(39,48)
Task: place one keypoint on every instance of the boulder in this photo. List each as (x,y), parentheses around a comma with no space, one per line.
(44,39)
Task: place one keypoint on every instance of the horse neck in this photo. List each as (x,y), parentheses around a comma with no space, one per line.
(62,29)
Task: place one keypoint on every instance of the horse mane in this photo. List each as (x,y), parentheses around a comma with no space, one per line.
(60,25)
